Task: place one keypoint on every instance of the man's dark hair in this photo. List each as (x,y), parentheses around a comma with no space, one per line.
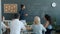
(16,15)
(22,5)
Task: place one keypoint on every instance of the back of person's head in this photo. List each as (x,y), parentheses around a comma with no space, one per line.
(16,16)
(48,18)
(37,20)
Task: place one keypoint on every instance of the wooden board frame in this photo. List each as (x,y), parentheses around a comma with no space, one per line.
(10,8)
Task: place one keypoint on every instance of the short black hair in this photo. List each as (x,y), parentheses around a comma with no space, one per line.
(16,15)
(22,5)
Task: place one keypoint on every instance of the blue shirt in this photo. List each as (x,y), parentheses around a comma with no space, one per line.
(49,27)
(22,14)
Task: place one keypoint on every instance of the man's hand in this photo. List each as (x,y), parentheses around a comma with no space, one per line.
(26,14)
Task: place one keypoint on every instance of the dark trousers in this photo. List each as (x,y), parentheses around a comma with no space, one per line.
(48,31)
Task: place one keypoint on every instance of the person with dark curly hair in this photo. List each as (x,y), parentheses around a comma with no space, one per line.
(48,23)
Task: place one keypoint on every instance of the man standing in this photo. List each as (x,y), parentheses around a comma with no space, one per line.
(23,14)
(16,25)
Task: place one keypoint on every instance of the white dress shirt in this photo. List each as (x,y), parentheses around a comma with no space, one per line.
(16,26)
(37,29)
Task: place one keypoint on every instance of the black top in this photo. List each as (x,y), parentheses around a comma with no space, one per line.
(22,14)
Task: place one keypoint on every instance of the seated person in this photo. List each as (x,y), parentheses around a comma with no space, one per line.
(16,25)
(48,24)
(37,26)
(3,25)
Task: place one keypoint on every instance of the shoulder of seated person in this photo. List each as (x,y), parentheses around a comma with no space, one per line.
(41,24)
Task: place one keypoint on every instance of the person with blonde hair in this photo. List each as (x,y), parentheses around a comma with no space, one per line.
(37,26)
